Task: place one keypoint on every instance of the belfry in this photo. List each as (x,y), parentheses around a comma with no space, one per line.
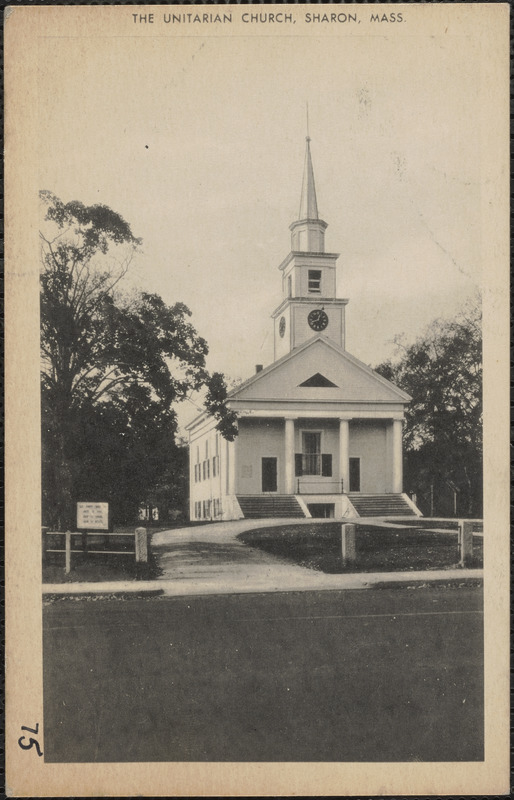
(319,432)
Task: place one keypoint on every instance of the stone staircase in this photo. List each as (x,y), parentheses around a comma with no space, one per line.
(380,505)
(257,506)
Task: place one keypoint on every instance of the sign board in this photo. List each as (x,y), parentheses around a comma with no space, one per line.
(93,516)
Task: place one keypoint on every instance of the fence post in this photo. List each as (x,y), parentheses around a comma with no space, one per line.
(348,549)
(67,552)
(465,542)
(141,547)
(43,544)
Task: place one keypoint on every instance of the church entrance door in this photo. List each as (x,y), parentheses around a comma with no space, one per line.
(269,474)
(355,475)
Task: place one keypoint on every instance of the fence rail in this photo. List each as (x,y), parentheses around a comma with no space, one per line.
(139,537)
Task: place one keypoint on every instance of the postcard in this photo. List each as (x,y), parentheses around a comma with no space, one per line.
(257,328)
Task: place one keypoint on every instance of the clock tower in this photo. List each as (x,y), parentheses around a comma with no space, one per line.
(309,304)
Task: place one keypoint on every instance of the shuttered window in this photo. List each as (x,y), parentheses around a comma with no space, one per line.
(326,465)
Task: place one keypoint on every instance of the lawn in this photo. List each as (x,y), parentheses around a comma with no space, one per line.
(96,567)
(378,549)
(428,523)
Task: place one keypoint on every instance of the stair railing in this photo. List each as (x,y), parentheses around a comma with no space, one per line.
(306,486)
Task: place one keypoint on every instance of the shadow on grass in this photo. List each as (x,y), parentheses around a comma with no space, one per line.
(378,549)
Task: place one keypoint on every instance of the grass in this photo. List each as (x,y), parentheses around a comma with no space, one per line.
(428,523)
(378,549)
(97,567)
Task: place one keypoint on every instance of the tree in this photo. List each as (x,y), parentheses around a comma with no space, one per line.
(442,371)
(112,367)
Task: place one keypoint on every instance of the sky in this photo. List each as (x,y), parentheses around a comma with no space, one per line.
(198,142)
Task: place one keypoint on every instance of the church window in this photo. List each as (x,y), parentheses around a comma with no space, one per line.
(289,286)
(311,461)
(315,281)
(311,451)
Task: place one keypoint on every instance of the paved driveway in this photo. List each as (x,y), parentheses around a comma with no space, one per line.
(212,555)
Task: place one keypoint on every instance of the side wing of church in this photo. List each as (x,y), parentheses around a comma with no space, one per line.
(320,433)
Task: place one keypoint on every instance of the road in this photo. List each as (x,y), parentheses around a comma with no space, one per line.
(373,675)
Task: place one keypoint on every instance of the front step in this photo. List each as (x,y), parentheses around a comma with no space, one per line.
(381,505)
(261,506)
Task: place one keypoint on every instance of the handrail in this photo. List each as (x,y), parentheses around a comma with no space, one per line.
(320,486)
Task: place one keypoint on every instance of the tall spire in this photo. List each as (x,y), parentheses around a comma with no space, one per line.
(308,231)
(308,203)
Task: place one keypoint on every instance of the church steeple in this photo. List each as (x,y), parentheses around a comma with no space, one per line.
(310,306)
(308,202)
(308,231)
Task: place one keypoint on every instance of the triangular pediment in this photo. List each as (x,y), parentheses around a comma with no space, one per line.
(319,370)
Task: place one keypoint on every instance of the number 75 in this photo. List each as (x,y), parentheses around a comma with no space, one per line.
(31,742)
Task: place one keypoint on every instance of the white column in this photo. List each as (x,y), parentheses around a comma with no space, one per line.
(397,456)
(344,450)
(231,467)
(289,456)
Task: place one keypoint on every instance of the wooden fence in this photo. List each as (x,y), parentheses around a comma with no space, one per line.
(464,540)
(68,544)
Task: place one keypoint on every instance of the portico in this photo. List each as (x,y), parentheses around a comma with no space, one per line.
(319,453)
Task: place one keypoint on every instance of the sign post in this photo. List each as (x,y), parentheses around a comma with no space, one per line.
(92,517)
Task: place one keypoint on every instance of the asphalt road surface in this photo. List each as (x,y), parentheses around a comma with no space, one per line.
(372,675)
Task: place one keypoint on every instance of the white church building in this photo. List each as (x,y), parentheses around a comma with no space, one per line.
(319,432)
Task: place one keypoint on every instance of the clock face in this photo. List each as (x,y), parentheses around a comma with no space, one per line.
(317,319)
(282,326)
